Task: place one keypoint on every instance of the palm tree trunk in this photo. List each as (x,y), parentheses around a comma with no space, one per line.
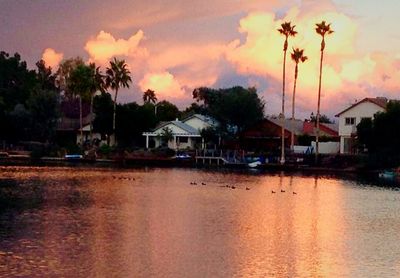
(283,111)
(293,106)
(114,113)
(91,119)
(81,120)
(318,107)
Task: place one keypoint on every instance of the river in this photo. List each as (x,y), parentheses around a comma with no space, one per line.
(154,222)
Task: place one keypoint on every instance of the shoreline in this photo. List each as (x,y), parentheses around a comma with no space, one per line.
(173,163)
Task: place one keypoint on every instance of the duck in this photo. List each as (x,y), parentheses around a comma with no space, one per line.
(283,191)
(247,188)
(294,193)
(233,187)
(273,192)
(203,183)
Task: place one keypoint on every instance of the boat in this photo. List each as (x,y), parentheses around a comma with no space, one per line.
(254,164)
(388,174)
(73,157)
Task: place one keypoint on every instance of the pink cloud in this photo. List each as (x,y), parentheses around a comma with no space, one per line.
(52,58)
(104,46)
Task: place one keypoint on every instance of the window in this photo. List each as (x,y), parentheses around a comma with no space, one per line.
(350,121)
(366,118)
(183,139)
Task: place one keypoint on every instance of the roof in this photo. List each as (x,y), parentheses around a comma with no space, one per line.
(303,127)
(379,101)
(181,125)
(203,118)
(296,127)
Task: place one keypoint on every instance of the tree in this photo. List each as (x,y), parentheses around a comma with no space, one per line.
(380,136)
(288,31)
(194,108)
(322,29)
(234,108)
(297,56)
(365,135)
(44,111)
(103,109)
(45,76)
(167,134)
(29,101)
(98,85)
(149,96)
(17,83)
(167,111)
(130,133)
(63,75)
(322,119)
(81,83)
(117,76)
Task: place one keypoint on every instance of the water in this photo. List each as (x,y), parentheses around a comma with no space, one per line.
(69,222)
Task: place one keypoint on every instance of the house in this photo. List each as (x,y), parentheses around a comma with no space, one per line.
(266,135)
(350,117)
(98,139)
(184,134)
(68,126)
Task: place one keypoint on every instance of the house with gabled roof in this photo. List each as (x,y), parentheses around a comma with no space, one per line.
(266,135)
(350,117)
(186,134)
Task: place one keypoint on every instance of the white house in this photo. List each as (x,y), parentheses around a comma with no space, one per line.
(96,136)
(352,116)
(185,133)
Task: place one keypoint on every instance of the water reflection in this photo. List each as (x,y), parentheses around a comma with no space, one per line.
(154,223)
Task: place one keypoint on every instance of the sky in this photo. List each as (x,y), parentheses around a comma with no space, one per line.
(175,46)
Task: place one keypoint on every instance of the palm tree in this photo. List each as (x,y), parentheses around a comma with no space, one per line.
(149,96)
(297,56)
(117,76)
(288,31)
(322,29)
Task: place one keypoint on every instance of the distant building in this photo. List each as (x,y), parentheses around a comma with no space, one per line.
(266,135)
(185,134)
(350,117)
(68,127)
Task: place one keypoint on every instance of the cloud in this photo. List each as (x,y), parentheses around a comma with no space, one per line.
(52,58)
(173,66)
(104,46)
(261,54)
(164,84)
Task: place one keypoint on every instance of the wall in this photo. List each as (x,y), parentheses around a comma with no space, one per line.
(362,110)
(327,147)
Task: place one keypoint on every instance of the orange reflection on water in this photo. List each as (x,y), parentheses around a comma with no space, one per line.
(296,229)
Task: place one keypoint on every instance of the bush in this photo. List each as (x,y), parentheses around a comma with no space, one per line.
(105,150)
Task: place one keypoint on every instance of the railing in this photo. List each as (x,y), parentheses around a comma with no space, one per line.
(219,156)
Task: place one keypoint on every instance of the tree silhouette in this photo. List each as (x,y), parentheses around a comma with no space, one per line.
(80,84)
(322,29)
(297,56)
(98,85)
(149,96)
(288,31)
(117,76)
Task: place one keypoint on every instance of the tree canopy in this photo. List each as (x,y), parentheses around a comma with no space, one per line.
(234,108)
(29,100)
(379,135)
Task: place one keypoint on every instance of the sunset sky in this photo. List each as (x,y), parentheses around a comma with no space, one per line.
(174,46)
